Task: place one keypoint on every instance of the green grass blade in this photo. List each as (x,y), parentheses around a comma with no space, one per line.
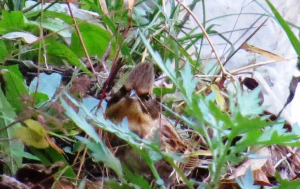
(295,42)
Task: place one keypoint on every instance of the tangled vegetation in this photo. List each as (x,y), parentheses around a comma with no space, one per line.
(59,70)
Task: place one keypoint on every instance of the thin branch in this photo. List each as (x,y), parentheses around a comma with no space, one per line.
(246,40)
(80,39)
(257,65)
(224,72)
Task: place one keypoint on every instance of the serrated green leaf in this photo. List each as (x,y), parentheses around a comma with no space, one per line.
(245,124)
(15,21)
(80,121)
(101,153)
(163,91)
(140,16)
(11,21)
(277,135)
(248,102)
(286,184)
(249,139)
(136,179)
(166,67)
(223,120)
(271,135)
(189,82)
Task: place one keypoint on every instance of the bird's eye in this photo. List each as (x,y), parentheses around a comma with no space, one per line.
(147,97)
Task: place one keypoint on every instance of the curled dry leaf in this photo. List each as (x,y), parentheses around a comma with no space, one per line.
(130,4)
(260,178)
(253,49)
(269,168)
(255,164)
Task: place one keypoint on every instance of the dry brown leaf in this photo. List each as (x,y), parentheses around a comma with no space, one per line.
(39,176)
(260,178)
(103,6)
(65,184)
(253,49)
(11,182)
(255,164)
(202,153)
(53,145)
(130,4)
(190,163)
(269,168)
(228,184)
(296,161)
(282,159)
(95,184)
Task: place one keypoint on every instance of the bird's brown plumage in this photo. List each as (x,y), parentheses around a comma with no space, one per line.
(135,102)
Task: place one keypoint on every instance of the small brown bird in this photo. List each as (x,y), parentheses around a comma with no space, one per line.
(135,102)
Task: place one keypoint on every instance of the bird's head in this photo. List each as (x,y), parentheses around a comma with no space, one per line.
(134,100)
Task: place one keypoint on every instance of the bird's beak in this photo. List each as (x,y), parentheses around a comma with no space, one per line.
(133,94)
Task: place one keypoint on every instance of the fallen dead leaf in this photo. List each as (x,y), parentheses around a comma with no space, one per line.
(255,164)
(253,49)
